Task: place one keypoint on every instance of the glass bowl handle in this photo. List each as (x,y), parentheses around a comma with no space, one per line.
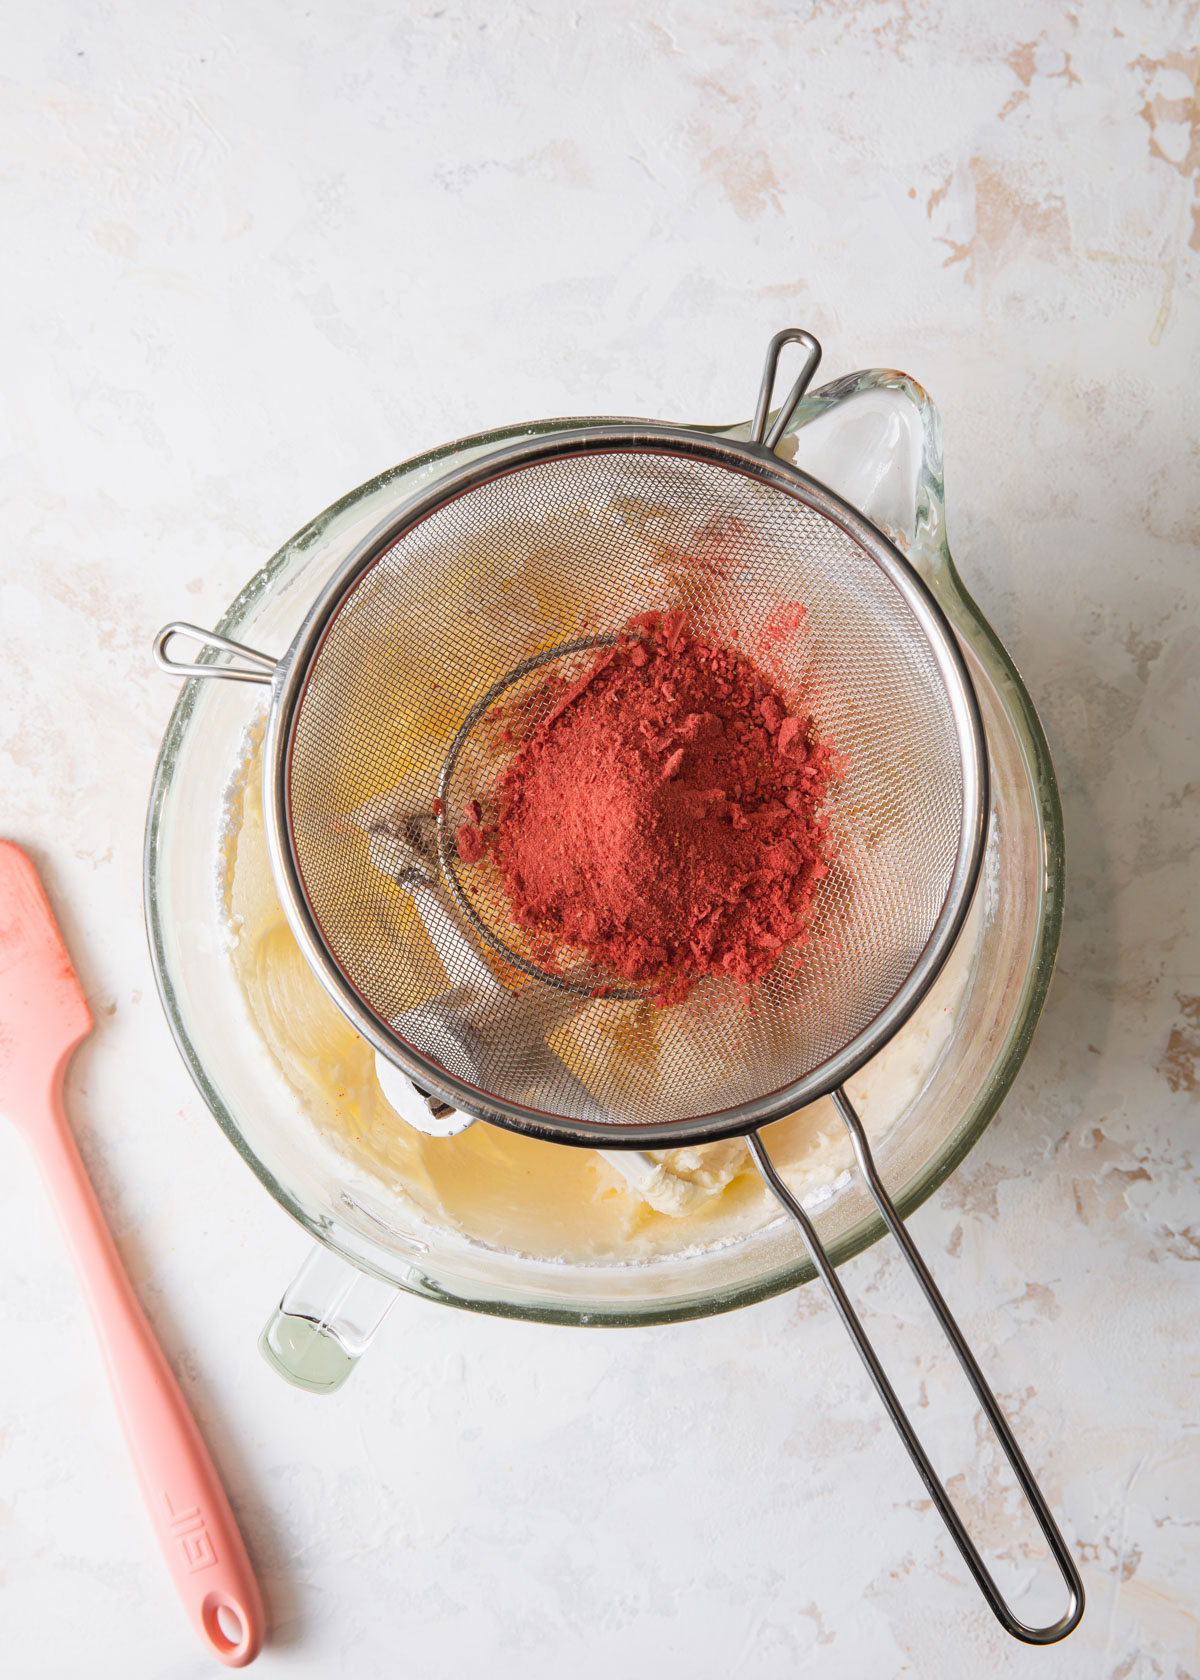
(325,1321)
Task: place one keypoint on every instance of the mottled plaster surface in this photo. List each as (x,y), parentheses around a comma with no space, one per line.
(257,253)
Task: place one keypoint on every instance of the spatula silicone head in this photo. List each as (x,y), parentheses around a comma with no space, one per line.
(43,1015)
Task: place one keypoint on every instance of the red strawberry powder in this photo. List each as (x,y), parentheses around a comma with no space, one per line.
(665,815)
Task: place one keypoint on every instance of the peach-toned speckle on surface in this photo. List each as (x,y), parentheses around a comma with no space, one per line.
(257,254)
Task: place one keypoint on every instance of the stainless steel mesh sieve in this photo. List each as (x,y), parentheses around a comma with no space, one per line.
(472,601)
(423,665)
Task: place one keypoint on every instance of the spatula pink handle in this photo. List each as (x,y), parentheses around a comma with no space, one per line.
(187,1504)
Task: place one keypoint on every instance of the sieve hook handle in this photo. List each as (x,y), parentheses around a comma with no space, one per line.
(1011,1623)
(789,335)
(255,667)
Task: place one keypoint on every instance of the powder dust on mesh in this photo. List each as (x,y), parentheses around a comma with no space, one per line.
(665,815)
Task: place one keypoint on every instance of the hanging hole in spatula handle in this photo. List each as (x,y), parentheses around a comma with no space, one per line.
(789,335)
(1012,1624)
(229,1629)
(255,667)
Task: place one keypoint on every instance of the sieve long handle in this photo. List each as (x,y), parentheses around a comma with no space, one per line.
(1058,1546)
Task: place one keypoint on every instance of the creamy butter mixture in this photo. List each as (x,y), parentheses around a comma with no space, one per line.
(516,1193)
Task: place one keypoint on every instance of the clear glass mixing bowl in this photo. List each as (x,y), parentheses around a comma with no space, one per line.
(875,438)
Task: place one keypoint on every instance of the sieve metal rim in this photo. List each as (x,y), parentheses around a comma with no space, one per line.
(289,681)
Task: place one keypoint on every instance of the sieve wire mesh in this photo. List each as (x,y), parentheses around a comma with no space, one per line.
(564,550)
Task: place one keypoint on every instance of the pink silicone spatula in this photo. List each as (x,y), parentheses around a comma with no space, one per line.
(43,1017)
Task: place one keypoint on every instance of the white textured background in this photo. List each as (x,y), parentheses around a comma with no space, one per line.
(254,253)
